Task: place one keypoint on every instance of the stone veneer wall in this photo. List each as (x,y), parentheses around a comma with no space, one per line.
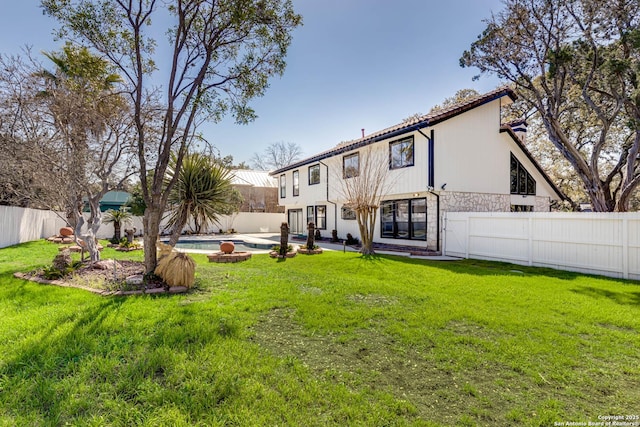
(474,202)
(543,204)
(469,202)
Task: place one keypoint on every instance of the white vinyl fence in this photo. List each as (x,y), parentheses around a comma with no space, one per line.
(19,225)
(594,243)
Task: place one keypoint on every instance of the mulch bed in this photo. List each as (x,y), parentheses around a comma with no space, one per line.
(109,281)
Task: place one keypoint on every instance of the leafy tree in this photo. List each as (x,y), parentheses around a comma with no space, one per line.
(202,192)
(227,162)
(222,54)
(460,96)
(575,63)
(118,218)
(276,156)
(136,204)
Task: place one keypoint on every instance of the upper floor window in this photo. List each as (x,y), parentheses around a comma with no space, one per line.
(351,165)
(401,153)
(521,181)
(296,183)
(314,174)
(283,186)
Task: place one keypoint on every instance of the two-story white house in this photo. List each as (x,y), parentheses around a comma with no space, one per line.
(459,159)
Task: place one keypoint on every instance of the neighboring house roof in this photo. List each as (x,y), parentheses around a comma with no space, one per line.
(253,178)
(407,126)
(111,200)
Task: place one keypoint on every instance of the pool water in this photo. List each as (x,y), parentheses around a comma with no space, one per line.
(214,245)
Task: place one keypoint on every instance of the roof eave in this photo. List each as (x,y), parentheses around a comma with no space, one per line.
(425,122)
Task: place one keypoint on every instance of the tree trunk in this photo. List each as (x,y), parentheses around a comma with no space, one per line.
(116,231)
(366,235)
(176,231)
(151,232)
(284,238)
(87,241)
(310,235)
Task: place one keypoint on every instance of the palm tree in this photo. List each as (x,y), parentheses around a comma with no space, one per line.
(118,219)
(79,94)
(202,192)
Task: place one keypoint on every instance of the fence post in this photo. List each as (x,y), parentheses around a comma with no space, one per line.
(625,247)
(444,233)
(468,235)
(530,256)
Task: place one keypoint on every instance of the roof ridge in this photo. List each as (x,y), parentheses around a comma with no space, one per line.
(422,121)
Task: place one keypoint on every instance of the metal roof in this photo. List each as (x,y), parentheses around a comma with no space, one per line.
(253,178)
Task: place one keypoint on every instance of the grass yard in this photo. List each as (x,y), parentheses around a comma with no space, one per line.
(331,339)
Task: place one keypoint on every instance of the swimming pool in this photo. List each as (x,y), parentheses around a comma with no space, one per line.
(214,245)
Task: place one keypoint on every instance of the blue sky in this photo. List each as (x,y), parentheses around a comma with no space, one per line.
(353,64)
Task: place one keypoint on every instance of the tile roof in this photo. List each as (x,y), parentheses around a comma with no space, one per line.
(407,126)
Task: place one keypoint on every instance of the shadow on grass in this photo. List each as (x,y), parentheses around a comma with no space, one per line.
(623,298)
(496,268)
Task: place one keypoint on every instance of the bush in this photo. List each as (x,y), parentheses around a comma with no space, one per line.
(276,248)
(352,240)
(53,273)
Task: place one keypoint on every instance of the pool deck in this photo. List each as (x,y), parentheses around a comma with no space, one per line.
(274,238)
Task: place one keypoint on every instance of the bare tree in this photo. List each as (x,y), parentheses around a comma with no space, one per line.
(29,152)
(276,156)
(93,126)
(64,137)
(222,54)
(363,187)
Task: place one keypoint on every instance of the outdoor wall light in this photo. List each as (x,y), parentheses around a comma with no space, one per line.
(443,185)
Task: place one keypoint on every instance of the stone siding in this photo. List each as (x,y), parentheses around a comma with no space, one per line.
(543,204)
(474,202)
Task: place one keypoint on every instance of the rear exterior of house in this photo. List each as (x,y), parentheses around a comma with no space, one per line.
(459,159)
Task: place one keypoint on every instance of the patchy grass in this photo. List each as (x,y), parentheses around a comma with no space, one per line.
(335,339)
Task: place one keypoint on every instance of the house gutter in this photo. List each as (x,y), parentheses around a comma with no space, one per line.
(335,205)
(431,182)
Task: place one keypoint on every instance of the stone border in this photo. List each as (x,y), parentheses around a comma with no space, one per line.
(310,251)
(275,254)
(101,292)
(221,257)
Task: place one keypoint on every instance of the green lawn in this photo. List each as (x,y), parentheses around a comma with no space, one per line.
(331,339)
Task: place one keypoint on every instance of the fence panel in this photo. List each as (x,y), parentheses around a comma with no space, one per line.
(595,243)
(19,225)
